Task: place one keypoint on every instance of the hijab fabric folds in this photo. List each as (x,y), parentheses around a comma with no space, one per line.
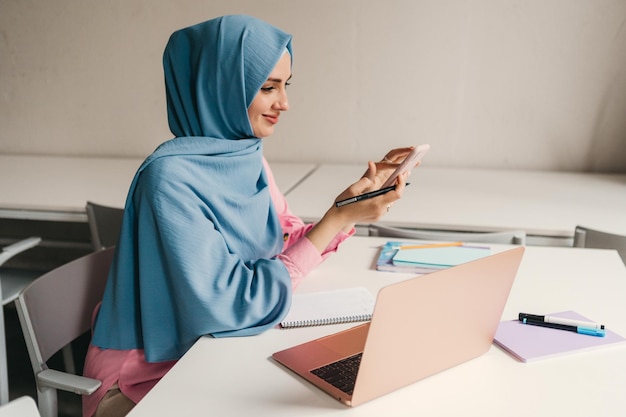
(199,236)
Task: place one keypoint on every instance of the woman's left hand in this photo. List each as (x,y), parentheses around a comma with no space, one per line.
(378,172)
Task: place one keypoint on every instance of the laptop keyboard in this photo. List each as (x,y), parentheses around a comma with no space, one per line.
(340,374)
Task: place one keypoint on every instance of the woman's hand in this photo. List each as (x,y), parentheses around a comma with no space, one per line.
(387,165)
(365,211)
(371,209)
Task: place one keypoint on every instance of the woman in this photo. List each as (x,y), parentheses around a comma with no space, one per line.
(208,245)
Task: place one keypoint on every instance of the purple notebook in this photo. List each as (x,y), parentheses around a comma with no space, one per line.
(529,343)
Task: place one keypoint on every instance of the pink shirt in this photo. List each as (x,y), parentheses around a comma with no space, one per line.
(129,369)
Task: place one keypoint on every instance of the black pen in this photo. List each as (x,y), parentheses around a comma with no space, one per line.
(366,196)
(561,320)
(576,329)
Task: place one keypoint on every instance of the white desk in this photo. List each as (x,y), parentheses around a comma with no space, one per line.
(57,188)
(547,204)
(236,377)
(289,175)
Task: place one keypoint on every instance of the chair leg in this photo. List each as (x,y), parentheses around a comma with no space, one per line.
(4,373)
(68,359)
(47,402)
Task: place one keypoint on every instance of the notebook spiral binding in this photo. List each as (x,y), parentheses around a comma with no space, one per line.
(326,321)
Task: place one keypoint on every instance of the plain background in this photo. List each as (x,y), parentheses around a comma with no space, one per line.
(514,84)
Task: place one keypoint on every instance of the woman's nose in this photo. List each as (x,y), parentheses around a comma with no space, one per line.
(282,103)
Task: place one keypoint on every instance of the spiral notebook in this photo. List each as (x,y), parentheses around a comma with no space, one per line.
(329,307)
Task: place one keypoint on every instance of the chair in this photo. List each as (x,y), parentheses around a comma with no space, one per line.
(11,283)
(585,237)
(105,223)
(20,407)
(55,310)
(515,237)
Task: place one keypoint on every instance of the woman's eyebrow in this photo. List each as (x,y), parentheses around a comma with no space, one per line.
(278,80)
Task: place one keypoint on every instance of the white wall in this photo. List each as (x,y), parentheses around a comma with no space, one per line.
(530,84)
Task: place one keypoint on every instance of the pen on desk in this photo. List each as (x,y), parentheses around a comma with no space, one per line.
(366,196)
(431,245)
(561,320)
(576,329)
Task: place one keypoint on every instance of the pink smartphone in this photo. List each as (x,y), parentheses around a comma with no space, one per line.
(409,162)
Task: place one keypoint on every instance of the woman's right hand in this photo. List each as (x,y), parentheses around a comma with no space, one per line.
(370,210)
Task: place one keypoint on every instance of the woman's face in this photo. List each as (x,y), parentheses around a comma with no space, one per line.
(271,99)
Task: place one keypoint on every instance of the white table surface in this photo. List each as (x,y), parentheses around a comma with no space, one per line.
(288,175)
(237,377)
(57,188)
(541,203)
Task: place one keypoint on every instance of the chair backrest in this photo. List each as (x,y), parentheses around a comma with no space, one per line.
(20,407)
(105,223)
(516,237)
(585,237)
(58,307)
(10,251)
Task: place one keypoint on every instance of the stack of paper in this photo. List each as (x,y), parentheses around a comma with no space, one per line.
(397,256)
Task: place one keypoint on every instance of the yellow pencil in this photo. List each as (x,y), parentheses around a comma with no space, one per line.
(432,245)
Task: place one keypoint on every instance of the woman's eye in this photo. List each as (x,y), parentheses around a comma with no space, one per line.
(273,87)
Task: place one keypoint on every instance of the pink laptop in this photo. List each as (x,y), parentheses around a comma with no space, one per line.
(420,327)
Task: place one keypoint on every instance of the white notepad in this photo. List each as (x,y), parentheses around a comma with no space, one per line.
(329,307)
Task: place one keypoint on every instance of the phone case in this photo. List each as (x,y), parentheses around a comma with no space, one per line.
(408,163)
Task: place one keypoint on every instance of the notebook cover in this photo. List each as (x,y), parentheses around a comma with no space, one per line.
(384,262)
(529,343)
(442,257)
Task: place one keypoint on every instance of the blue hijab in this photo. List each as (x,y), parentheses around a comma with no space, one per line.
(196,254)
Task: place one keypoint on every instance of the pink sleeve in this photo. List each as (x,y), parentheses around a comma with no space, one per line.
(299,255)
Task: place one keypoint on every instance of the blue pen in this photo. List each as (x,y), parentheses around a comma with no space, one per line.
(577,329)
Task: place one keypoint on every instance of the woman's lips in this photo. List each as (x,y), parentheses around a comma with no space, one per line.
(270,118)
